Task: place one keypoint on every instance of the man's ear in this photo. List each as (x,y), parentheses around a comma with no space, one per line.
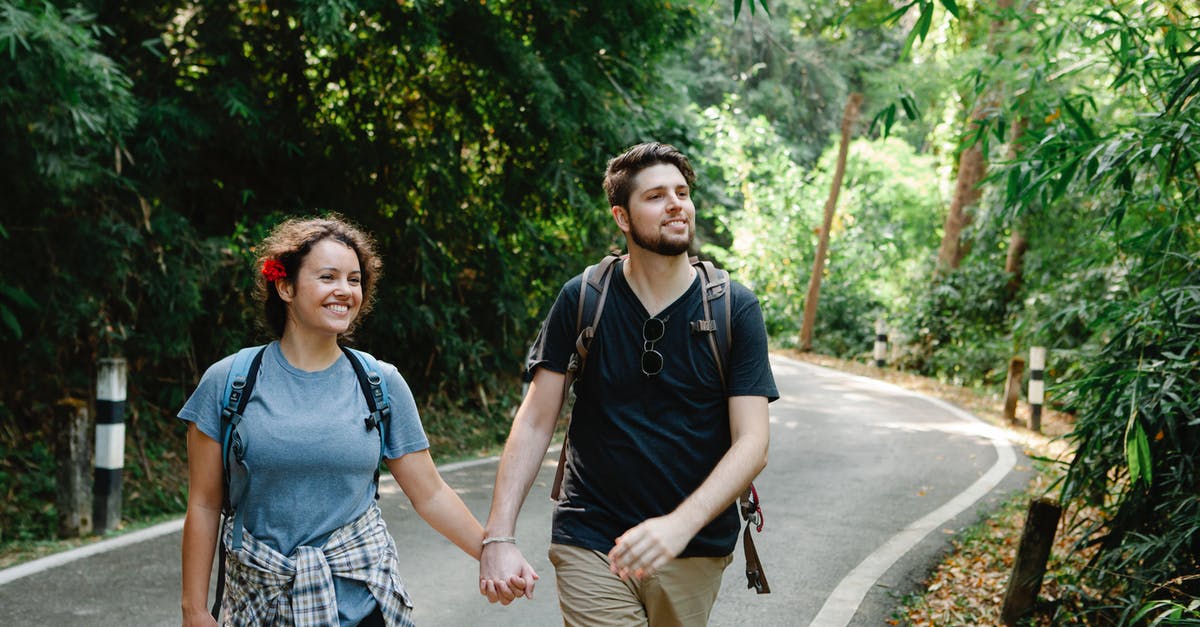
(285,289)
(621,217)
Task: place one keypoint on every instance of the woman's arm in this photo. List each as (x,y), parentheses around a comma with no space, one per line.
(205,491)
(436,502)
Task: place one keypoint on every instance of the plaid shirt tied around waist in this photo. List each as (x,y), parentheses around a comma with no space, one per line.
(263,587)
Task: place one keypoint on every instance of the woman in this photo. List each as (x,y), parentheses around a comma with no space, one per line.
(307,544)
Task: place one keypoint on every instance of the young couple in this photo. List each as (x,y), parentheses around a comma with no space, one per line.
(659,447)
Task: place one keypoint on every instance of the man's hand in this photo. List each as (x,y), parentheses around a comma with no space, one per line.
(645,548)
(504,574)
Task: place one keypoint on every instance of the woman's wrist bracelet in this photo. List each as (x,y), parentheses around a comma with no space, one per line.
(491,539)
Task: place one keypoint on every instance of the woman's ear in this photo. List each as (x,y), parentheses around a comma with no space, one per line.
(285,289)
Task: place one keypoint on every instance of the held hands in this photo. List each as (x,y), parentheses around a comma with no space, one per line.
(504,575)
(645,548)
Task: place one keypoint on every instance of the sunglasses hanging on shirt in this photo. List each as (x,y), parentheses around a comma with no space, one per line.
(652,360)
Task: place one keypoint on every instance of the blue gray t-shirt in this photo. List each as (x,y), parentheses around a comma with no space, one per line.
(310,462)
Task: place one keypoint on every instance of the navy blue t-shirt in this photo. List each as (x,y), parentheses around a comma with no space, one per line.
(639,445)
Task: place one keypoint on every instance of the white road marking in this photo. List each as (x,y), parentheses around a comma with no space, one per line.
(843,602)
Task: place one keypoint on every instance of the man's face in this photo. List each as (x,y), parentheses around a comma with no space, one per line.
(662,217)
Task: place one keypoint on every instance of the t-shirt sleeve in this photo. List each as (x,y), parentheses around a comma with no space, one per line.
(750,365)
(556,339)
(404,431)
(204,406)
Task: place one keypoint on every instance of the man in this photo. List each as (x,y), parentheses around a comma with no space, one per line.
(657,451)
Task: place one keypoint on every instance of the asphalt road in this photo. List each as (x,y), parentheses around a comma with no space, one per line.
(865,487)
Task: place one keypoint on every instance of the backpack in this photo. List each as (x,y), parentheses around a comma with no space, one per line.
(239,385)
(715,287)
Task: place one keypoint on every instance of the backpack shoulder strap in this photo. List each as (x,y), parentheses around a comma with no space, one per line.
(593,292)
(239,384)
(718,300)
(715,287)
(374,389)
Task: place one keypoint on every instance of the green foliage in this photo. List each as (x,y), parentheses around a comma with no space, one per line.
(468,137)
(1120,163)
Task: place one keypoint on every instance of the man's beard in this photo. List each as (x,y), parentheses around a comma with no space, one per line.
(662,245)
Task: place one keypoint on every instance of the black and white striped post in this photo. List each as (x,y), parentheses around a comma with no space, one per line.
(880,344)
(1037,385)
(110,443)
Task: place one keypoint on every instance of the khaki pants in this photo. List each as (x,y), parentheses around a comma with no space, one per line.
(681,593)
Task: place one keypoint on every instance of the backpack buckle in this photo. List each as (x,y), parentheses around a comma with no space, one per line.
(703,326)
(372,421)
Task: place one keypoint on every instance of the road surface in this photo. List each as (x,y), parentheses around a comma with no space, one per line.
(865,487)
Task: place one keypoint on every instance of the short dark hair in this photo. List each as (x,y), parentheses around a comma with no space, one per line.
(621,170)
(290,242)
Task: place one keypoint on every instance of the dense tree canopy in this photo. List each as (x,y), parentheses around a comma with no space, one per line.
(147,147)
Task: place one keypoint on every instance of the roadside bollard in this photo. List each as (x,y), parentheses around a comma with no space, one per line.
(1037,385)
(880,343)
(110,443)
(72,459)
(1012,389)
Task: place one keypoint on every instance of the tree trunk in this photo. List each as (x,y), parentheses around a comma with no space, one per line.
(1017,244)
(972,165)
(849,118)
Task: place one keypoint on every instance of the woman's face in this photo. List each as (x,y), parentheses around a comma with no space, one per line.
(325,295)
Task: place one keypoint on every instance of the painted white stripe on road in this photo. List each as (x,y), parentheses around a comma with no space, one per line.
(58,559)
(843,602)
(52,561)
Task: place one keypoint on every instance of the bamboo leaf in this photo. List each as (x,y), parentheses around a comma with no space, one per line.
(910,107)
(1084,127)
(952,7)
(1137,449)
(10,321)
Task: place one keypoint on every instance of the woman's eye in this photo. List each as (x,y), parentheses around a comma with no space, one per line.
(326,277)
(355,280)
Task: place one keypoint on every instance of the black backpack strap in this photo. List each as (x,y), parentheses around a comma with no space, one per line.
(375,391)
(593,292)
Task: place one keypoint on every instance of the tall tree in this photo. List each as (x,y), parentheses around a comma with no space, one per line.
(972,161)
(849,119)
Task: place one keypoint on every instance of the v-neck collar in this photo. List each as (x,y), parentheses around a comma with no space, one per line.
(623,284)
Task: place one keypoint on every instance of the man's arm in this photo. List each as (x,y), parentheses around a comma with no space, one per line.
(646,547)
(519,463)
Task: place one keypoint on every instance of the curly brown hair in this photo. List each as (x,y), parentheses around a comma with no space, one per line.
(290,242)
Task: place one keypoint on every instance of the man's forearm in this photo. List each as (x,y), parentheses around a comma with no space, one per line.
(519,464)
(737,468)
(746,457)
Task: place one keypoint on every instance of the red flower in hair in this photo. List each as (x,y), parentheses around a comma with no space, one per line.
(272,270)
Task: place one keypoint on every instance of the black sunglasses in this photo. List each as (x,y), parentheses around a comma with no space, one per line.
(652,360)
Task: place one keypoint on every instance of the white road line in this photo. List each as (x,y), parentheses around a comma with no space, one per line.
(58,559)
(843,602)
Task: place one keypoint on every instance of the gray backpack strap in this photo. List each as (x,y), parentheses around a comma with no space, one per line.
(714,285)
(593,292)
